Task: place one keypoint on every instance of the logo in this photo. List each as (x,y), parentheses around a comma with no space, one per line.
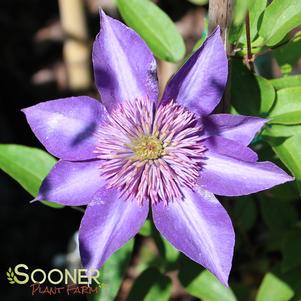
(10,276)
(55,281)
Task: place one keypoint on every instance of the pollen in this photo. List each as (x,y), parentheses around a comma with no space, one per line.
(146,148)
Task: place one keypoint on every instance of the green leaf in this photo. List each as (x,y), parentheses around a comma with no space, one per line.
(267,94)
(291,278)
(199,2)
(287,108)
(274,289)
(279,18)
(237,26)
(286,82)
(151,285)
(155,27)
(289,152)
(206,286)
(281,130)
(235,33)
(250,95)
(53,205)
(113,272)
(245,94)
(288,55)
(27,165)
(202,284)
(240,10)
(255,11)
(291,250)
(288,118)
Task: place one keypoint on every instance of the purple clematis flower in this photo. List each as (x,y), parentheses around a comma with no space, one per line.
(131,150)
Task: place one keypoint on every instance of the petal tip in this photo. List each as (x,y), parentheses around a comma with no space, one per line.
(26,110)
(224,279)
(289,178)
(102,14)
(216,30)
(216,33)
(36,199)
(284,177)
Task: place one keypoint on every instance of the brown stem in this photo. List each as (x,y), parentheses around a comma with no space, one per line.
(220,13)
(250,58)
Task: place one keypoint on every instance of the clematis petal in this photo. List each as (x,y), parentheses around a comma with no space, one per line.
(199,227)
(200,83)
(66,127)
(230,148)
(124,67)
(71,183)
(234,127)
(224,175)
(109,222)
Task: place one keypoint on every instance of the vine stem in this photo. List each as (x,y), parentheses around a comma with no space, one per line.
(250,57)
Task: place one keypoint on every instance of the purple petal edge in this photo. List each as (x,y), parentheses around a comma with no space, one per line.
(200,83)
(124,67)
(199,227)
(235,127)
(67,127)
(231,148)
(224,175)
(109,222)
(71,183)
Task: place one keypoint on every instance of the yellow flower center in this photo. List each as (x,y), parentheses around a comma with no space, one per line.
(147,148)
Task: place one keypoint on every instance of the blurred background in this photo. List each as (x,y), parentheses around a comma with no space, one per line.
(46,54)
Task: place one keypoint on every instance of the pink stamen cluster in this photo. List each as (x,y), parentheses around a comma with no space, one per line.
(149,152)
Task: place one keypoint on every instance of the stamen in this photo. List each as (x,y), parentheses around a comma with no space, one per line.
(150,154)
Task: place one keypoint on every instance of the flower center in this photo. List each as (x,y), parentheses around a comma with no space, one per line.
(150,153)
(146,147)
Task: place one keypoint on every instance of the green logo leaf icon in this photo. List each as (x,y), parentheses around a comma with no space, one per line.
(10,276)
